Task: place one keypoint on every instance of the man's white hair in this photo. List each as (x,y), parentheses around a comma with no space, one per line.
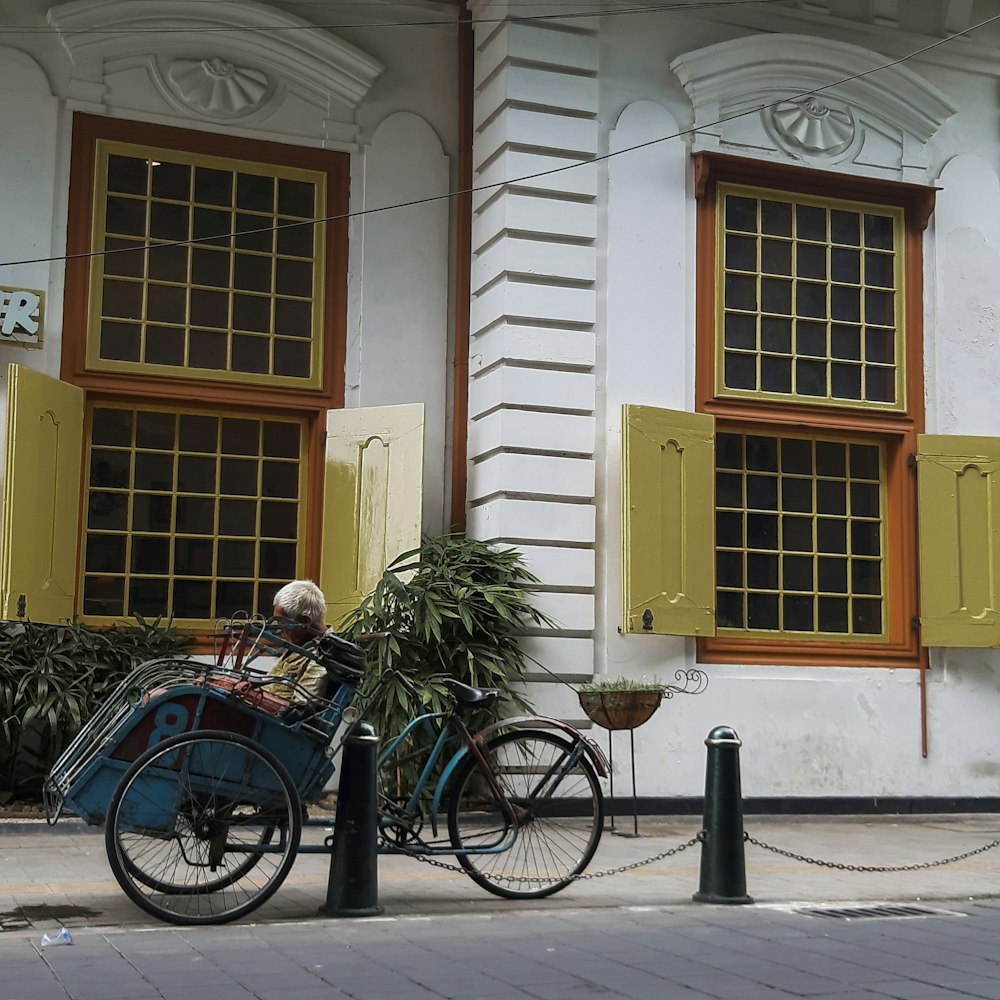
(301,597)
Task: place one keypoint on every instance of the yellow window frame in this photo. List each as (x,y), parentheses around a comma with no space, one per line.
(131,492)
(780,552)
(762,193)
(106,148)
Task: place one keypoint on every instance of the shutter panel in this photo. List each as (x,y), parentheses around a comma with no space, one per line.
(41,497)
(373,498)
(959,528)
(668,460)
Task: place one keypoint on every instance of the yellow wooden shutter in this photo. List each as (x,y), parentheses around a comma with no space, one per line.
(668,462)
(41,497)
(373,500)
(959,523)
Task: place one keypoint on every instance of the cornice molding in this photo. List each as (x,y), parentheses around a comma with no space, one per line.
(757,71)
(303,58)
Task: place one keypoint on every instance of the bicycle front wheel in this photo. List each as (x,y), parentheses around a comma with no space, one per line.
(203,828)
(547,830)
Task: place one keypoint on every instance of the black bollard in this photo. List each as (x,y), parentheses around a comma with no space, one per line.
(353,887)
(723,877)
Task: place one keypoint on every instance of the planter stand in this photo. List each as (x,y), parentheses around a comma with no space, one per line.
(629,709)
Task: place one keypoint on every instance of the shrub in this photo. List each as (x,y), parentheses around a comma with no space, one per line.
(52,679)
(454,607)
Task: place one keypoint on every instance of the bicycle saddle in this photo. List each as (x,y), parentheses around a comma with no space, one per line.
(470,697)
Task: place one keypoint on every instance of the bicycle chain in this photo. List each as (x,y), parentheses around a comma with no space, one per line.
(841,866)
(434,863)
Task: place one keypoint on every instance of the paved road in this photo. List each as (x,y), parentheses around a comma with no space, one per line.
(726,953)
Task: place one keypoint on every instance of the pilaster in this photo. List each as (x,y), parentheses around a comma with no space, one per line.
(532,392)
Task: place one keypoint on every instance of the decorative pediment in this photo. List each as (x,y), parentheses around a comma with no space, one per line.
(812,99)
(218,61)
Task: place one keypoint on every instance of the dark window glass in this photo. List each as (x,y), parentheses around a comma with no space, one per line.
(740,371)
(111,426)
(254,193)
(775,335)
(281,440)
(150,555)
(741,214)
(776,218)
(798,614)
(238,517)
(762,611)
(741,253)
(128,174)
(168,222)
(199,433)
(729,610)
(775,374)
(172,181)
(192,599)
(296,198)
(168,263)
(241,437)
(279,520)
(762,571)
(292,357)
(213,187)
(148,597)
(151,511)
(105,554)
(125,216)
(845,381)
(775,257)
(729,569)
(845,228)
(741,331)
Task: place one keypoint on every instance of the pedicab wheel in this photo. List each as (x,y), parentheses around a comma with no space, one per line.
(548,830)
(203,828)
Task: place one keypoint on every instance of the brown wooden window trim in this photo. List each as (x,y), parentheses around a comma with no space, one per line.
(309,403)
(897,431)
(87,130)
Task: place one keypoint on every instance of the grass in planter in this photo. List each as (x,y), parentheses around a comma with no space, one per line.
(53,678)
(623,684)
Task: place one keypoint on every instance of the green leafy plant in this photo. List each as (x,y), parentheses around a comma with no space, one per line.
(454,607)
(52,678)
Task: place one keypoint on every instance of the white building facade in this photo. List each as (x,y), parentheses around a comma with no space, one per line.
(730,337)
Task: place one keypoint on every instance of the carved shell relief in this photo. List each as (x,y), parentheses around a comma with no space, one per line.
(811,127)
(216,88)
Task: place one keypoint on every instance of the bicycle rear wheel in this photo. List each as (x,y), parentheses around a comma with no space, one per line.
(549,828)
(203,828)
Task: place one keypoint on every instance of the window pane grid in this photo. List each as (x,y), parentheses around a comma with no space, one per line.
(246,306)
(799,536)
(809,299)
(194,513)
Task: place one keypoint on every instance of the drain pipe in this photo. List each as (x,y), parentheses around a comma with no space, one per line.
(463,271)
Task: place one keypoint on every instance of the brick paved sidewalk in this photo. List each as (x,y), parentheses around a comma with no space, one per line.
(60,876)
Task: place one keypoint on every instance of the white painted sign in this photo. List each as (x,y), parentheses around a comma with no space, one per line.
(21,316)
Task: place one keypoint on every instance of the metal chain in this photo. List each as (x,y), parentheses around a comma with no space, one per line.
(840,866)
(434,863)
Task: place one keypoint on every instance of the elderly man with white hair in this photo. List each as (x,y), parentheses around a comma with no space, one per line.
(302,602)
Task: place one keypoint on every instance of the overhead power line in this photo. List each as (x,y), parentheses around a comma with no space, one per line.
(512,181)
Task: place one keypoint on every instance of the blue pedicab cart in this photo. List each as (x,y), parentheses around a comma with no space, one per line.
(201,778)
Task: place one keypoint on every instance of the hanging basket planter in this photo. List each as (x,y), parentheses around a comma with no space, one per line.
(620,709)
(623,704)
